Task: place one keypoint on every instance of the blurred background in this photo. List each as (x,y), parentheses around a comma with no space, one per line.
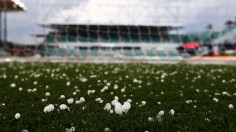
(156,29)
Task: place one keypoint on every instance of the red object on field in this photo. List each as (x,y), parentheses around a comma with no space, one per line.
(191,46)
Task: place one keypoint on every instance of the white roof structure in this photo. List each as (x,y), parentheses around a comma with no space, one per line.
(116,12)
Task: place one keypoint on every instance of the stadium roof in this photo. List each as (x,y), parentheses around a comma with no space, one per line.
(12,5)
(117,12)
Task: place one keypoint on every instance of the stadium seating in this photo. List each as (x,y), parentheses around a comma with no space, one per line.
(150,52)
(94,52)
(173,53)
(70,52)
(138,52)
(162,53)
(128,52)
(60,52)
(83,52)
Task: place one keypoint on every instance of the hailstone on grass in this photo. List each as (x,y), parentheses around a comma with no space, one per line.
(111,111)
(159,115)
(113,102)
(13,85)
(34,90)
(215,100)
(118,108)
(82,99)
(143,102)
(172,112)
(35,82)
(91,92)
(83,79)
(122,90)
(98,99)
(47,94)
(29,90)
(115,86)
(207,120)
(126,106)
(129,100)
(48,108)
(70,101)
(107,106)
(62,96)
(63,107)
(107,129)
(20,89)
(231,106)
(17,116)
(67,83)
(150,119)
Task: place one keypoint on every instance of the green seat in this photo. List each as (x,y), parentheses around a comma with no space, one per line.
(175,39)
(126,38)
(116,52)
(138,52)
(151,53)
(135,38)
(155,39)
(94,52)
(161,53)
(70,52)
(47,52)
(147,39)
(128,52)
(173,53)
(60,52)
(72,39)
(114,38)
(83,52)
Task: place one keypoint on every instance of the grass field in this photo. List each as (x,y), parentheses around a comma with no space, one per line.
(202,97)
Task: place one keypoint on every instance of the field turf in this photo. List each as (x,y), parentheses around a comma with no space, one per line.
(202,97)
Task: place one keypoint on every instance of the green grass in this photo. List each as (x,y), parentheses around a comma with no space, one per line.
(172,80)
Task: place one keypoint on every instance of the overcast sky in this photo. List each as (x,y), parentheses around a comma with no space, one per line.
(194,15)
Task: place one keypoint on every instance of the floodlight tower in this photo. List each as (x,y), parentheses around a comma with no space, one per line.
(8,6)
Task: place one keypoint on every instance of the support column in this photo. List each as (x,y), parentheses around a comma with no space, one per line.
(0,26)
(5,27)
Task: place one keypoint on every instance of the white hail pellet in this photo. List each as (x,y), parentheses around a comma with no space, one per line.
(231,106)
(17,116)
(67,83)
(215,100)
(13,85)
(107,106)
(62,96)
(63,107)
(48,108)
(150,119)
(70,101)
(143,102)
(172,112)
(47,94)
(82,99)
(20,89)
(161,113)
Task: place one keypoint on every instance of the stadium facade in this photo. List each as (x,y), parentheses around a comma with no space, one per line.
(119,29)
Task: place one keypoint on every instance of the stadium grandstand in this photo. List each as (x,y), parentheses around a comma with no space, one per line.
(124,29)
(119,29)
